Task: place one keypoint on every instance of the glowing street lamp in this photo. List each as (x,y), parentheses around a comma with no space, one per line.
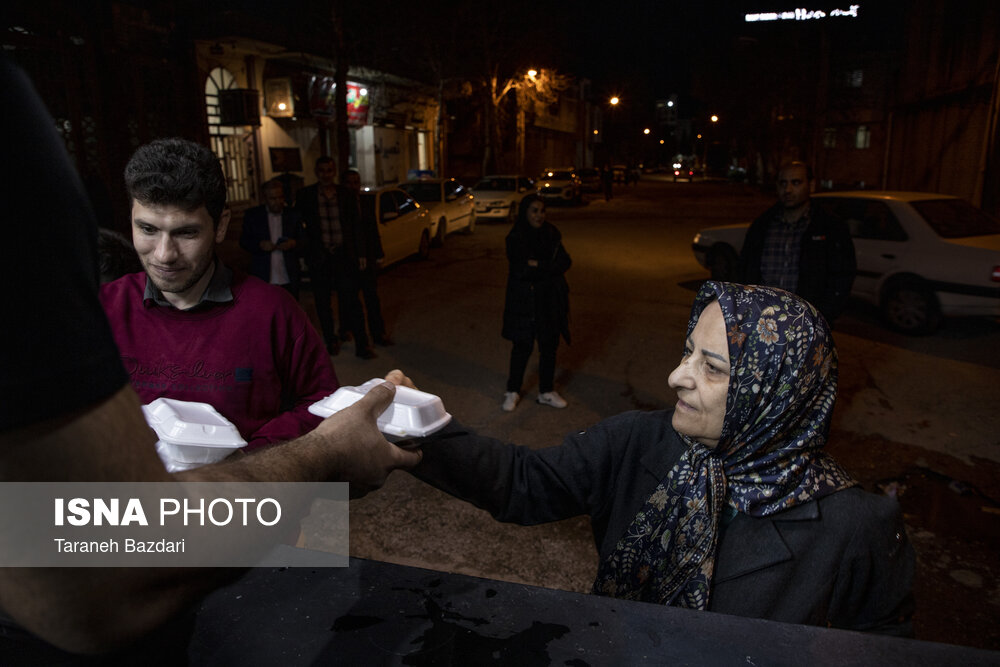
(714,118)
(614,101)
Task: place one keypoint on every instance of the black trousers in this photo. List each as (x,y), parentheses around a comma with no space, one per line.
(368,284)
(330,274)
(519,356)
(353,284)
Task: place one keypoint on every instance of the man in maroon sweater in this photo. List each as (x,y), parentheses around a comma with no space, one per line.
(189,328)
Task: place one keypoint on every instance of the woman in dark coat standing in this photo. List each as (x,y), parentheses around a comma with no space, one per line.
(537,303)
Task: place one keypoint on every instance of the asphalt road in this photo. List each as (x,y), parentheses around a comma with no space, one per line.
(916,417)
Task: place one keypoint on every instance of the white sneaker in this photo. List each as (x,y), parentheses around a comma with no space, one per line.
(553,399)
(510,399)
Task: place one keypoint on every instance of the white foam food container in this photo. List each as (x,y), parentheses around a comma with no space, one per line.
(190,434)
(412,414)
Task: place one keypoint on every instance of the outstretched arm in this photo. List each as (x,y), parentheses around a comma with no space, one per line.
(97,609)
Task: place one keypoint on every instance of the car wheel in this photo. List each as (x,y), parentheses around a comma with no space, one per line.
(441,231)
(722,261)
(910,307)
(512,214)
(424,249)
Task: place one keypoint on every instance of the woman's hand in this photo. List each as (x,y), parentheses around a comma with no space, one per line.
(398,378)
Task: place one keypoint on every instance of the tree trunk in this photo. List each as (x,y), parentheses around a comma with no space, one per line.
(341,138)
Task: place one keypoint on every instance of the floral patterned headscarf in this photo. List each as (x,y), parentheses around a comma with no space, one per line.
(782,387)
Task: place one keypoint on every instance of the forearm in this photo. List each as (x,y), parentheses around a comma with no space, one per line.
(90,609)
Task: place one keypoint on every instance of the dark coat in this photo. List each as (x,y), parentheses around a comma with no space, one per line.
(307,205)
(256,229)
(841,561)
(537,300)
(369,240)
(826,259)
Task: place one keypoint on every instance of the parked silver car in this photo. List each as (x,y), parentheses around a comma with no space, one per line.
(920,255)
(498,197)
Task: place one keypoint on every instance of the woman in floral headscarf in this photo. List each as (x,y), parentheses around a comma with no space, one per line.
(726,503)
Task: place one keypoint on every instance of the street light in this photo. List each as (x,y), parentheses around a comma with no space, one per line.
(714,118)
(614,101)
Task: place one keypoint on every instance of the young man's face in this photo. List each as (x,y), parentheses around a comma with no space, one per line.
(177,248)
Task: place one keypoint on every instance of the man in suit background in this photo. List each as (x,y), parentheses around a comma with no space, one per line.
(271,235)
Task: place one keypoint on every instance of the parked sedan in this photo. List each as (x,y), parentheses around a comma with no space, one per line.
(403,225)
(920,255)
(450,204)
(560,184)
(498,197)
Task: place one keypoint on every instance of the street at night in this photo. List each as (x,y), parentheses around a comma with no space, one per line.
(915,416)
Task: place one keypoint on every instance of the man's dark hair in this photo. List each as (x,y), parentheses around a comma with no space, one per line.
(272,184)
(177,172)
(797,163)
(324,159)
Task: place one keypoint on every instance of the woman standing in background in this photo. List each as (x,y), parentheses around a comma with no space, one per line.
(537,301)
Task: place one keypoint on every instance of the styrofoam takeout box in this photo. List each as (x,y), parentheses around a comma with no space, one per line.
(413,413)
(190,434)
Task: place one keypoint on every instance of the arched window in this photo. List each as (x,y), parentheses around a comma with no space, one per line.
(232,144)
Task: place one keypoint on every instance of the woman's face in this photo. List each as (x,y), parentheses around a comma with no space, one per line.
(536,214)
(702,379)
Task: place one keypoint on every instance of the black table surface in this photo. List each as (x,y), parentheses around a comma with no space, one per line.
(376,613)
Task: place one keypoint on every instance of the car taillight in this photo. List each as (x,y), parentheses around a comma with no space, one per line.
(996,274)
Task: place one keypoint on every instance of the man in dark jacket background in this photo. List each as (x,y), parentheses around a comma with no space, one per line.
(799,247)
(271,236)
(363,267)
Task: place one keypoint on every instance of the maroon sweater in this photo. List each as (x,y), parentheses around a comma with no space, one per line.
(257,359)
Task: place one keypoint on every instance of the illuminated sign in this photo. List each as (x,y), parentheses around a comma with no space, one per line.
(802,14)
(321,89)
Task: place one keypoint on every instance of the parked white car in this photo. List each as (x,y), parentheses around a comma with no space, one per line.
(498,197)
(920,255)
(404,226)
(559,184)
(450,204)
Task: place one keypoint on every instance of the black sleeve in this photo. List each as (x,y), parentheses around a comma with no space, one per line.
(517,484)
(842,266)
(58,354)
(874,589)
